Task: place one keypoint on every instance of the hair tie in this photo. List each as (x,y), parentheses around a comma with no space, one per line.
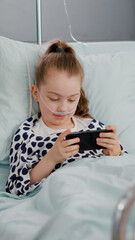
(61,50)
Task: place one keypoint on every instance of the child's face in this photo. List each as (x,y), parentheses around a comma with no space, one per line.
(61,93)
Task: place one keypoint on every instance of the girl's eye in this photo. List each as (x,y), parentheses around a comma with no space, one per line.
(54,99)
(71,100)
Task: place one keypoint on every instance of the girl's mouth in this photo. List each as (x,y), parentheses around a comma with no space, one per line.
(60,116)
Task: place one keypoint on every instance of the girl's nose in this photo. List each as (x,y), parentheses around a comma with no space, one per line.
(62,106)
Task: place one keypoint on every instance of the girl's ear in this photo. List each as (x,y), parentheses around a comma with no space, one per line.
(34,92)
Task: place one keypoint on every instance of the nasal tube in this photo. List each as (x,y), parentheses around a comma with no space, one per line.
(56,113)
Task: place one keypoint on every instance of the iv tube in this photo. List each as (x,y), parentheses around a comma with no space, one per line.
(69,25)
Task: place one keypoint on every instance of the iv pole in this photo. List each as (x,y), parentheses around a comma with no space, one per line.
(39,21)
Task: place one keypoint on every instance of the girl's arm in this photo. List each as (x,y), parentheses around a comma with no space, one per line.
(42,169)
(61,150)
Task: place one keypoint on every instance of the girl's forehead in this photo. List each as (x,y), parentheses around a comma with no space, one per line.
(60,81)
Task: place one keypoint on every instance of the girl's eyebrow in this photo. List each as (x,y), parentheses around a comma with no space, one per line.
(61,95)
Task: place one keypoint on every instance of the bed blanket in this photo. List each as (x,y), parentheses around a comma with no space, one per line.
(76,202)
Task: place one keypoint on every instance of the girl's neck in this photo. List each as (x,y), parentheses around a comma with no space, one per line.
(66,125)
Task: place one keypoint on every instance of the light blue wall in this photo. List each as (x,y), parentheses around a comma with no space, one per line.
(91,20)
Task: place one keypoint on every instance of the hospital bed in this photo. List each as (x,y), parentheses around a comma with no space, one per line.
(89,198)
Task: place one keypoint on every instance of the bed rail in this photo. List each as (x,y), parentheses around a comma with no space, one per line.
(39,21)
(121,213)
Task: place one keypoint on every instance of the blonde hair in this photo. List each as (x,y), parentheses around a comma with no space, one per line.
(59,55)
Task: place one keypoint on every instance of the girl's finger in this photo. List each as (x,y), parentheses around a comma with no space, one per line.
(111,127)
(72,148)
(107,135)
(63,135)
(70,154)
(106,140)
(71,142)
(107,146)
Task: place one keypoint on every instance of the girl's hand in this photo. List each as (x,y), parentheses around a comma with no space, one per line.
(109,141)
(63,149)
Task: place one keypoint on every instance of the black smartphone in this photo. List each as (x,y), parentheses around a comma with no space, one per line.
(87,139)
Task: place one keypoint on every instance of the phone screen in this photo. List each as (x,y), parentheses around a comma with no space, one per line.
(87,139)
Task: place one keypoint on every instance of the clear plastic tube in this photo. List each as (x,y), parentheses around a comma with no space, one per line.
(57,113)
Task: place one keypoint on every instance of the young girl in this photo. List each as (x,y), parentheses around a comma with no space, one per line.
(39,146)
